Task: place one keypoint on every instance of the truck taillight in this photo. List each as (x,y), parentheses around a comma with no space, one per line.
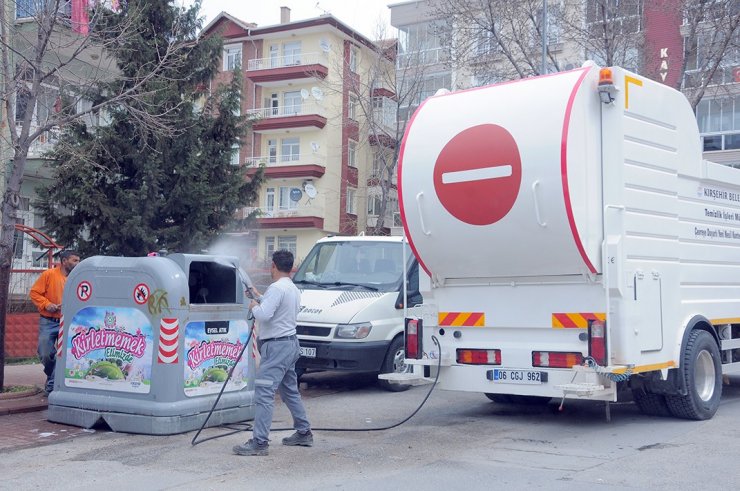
(597,341)
(556,359)
(479,356)
(413,339)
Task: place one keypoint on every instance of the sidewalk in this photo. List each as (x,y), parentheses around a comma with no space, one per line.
(32,375)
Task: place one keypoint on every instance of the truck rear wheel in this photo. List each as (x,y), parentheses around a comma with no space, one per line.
(650,404)
(394,363)
(702,372)
(517,399)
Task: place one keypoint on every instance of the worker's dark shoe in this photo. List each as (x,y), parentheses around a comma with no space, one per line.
(299,439)
(251,448)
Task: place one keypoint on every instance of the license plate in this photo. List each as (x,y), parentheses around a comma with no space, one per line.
(517,377)
(308,352)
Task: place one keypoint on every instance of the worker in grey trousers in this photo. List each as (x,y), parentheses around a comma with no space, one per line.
(277,314)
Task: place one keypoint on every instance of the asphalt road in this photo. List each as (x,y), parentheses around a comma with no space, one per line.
(456,441)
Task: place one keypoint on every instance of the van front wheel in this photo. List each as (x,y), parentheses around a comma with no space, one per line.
(393,363)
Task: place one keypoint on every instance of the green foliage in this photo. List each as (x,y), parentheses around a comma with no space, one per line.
(128,188)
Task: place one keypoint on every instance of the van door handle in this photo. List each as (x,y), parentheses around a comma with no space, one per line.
(419,195)
(537,213)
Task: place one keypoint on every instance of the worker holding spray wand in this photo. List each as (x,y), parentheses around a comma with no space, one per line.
(277,312)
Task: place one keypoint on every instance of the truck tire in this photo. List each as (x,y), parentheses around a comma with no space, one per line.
(650,404)
(499,398)
(517,399)
(393,363)
(702,373)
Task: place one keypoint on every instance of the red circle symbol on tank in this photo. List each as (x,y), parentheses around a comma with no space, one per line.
(478,174)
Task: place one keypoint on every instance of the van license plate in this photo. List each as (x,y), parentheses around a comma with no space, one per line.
(517,377)
(308,352)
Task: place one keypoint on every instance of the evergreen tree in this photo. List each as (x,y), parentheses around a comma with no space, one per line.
(125,188)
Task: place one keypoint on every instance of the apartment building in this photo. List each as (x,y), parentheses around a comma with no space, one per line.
(656,29)
(303,90)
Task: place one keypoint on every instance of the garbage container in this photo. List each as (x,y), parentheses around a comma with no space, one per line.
(146,343)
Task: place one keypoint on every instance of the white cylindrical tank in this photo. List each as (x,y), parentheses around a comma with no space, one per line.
(505,180)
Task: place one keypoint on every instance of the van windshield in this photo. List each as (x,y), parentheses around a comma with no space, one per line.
(353,264)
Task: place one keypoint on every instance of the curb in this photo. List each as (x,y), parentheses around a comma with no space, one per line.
(27,402)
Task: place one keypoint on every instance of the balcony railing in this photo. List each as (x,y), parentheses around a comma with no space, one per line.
(43,143)
(283,61)
(277,160)
(302,210)
(423,57)
(287,111)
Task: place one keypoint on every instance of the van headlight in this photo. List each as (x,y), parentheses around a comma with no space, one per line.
(353,331)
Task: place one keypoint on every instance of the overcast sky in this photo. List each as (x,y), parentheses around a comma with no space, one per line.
(363,15)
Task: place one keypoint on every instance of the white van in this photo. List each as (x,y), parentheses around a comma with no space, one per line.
(352,305)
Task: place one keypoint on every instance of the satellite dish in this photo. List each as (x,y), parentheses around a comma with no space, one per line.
(310,190)
(315,146)
(317,93)
(304,94)
(325,45)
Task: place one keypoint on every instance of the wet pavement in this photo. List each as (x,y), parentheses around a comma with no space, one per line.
(23,420)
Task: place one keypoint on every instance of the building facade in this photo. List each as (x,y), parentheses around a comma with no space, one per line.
(303,91)
(22,18)
(657,35)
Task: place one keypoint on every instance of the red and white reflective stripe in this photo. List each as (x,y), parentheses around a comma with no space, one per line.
(169,335)
(60,337)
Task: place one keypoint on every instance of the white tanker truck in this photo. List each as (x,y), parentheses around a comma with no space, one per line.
(576,243)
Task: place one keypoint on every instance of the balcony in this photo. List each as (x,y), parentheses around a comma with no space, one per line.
(296,67)
(44,143)
(313,165)
(306,115)
(306,215)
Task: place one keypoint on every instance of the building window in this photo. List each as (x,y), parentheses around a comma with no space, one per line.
(290,149)
(352,107)
(29,8)
(351,207)
(292,53)
(234,154)
(378,165)
(292,103)
(285,202)
(232,57)
(352,153)
(373,205)
(274,56)
(269,246)
(719,123)
(287,243)
(272,151)
(269,202)
(353,55)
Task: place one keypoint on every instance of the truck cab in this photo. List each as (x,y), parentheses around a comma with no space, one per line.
(352,305)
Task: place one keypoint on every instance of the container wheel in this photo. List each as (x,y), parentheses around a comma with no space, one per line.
(702,373)
(393,363)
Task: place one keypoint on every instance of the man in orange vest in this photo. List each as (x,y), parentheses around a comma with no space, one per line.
(46,295)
